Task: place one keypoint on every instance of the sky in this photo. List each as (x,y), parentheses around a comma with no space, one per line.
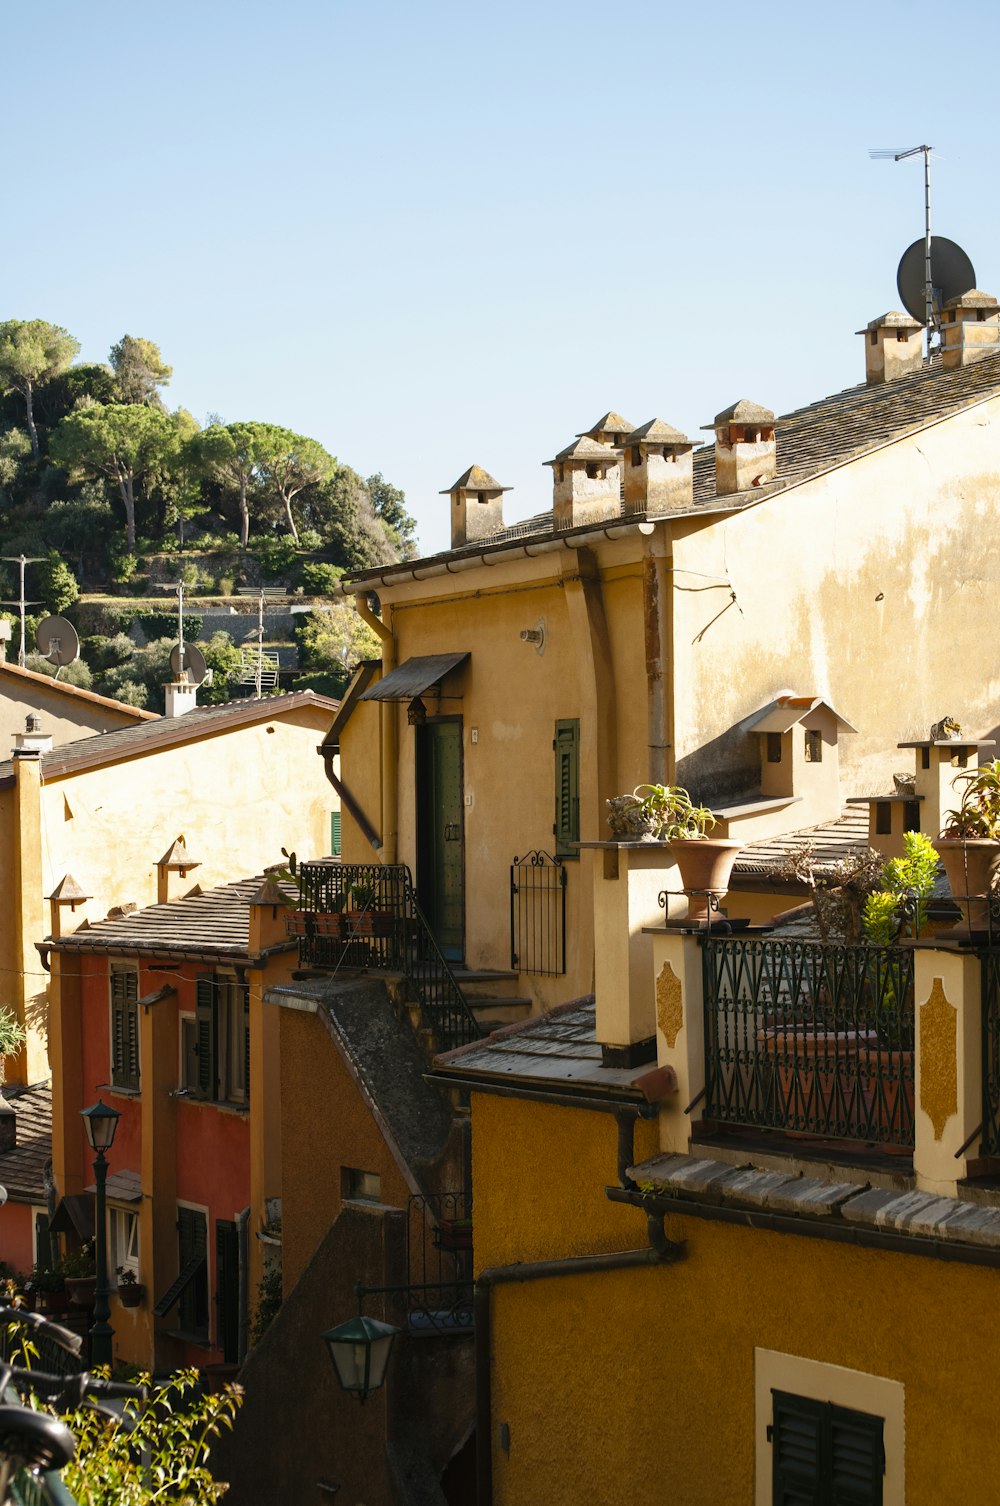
(432,235)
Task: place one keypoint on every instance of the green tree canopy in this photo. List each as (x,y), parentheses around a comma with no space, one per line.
(32,351)
(388,503)
(139,371)
(234,455)
(291,462)
(124,443)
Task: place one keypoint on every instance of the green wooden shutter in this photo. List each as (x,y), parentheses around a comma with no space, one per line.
(124,1030)
(567,822)
(227,1288)
(857,1458)
(206,1033)
(796,1451)
(192,1242)
(335,833)
(825,1455)
(246,1044)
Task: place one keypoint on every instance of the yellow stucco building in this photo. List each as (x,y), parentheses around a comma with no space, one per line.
(641,628)
(90,826)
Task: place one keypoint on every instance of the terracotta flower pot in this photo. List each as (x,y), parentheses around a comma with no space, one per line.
(80,1290)
(969,864)
(705,864)
(132,1294)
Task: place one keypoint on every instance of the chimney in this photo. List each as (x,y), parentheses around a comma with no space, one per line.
(32,742)
(746,454)
(476,506)
(66,894)
(174,866)
(970,329)
(659,469)
(586,484)
(894,347)
(609,431)
(181,697)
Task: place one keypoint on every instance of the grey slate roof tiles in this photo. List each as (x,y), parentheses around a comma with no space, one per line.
(23,1169)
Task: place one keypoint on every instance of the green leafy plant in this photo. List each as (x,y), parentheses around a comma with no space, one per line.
(978,815)
(268,1301)
(126,1276)
(79,1262)
(158,1451)
(665,811)
(900,906)
(12,1034)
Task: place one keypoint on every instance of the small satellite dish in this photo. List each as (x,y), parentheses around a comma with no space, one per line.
(952,274)
(57,641)
(194,663)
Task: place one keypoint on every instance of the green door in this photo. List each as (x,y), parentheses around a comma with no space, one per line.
(441,833)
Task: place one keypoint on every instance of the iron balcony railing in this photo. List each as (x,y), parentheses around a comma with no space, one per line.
(538,914)
(436,1297)
(366,916)
(809,1038)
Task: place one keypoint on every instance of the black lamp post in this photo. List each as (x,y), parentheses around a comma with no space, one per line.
(101,1122)
(359,1350)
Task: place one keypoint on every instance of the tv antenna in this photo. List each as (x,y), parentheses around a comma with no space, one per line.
(57,641)
(19,602)
(187,663)
(257,668)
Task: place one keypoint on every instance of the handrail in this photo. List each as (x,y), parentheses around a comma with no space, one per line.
(367,916)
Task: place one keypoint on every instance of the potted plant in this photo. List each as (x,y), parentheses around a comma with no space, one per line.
(130,1289)
(49,1286)
(454,1234)
(80,1274)
(363,918)
(705,862)
(969,845)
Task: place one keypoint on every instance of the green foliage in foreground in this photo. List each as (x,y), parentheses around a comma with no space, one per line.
(158,1454)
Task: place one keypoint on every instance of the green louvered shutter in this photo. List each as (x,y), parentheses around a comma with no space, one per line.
(567,823)
(825,1455)
(205,1033)
(124,1030)
(246,1045)
(335,834)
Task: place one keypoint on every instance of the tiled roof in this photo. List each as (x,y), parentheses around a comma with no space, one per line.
(557,1049)
(810,440)
(475,479)
(23,1169)
(216,922)
(168,731)
(831,841)
(75,692)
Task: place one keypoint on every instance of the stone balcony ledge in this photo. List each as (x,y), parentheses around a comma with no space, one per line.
(923,1215)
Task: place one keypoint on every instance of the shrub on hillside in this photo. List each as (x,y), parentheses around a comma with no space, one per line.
(319,579)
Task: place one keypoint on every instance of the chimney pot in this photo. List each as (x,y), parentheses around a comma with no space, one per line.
(746,453)
(970,329)
(893,347)
(586,483)
(659,469)
(477,507)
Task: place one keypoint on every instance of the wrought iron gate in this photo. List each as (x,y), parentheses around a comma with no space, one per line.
(538,914)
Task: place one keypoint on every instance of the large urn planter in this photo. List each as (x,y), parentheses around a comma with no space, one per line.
(970,864)
(81,1289)
(706,865)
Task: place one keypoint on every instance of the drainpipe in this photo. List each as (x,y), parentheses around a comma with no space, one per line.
(242,1222)
(658,622)
(388,715)
(659,1251)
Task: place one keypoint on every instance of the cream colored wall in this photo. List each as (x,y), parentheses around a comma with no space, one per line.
(237,798)
(65,718)
(870,586)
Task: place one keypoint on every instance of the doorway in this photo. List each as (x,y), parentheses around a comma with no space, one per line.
(441,832)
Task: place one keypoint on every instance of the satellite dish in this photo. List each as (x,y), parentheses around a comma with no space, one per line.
(57,641)
(952,274)
(194,663)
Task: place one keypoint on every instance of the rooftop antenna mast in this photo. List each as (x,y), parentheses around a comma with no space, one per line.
(20,603)
(884,154)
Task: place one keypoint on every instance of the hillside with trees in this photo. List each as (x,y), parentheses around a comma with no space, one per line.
(114,496)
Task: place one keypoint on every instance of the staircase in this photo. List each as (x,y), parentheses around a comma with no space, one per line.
(491,995)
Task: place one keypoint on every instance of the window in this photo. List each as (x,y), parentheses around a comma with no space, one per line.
(187,1077)
(774,747)
(567,823)
(911,815)
(883,818)
(124,1028)
(123,1240)
(222,1039)
(825,1454)
(814,747)
(362,1186)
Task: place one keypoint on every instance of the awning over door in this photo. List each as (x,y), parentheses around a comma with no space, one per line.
(413,677)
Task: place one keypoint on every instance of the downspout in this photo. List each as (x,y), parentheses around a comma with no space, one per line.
(388,713)
(659,1251)
(242,1339)
(658,622)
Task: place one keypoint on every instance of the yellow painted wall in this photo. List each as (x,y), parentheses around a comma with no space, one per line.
(638,1386)
(66,716)
(238,797)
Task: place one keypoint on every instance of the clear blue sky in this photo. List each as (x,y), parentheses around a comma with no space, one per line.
(443,233)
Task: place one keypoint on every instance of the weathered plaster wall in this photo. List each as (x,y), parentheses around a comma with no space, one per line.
(621,1386)
(65,718)
(871,586)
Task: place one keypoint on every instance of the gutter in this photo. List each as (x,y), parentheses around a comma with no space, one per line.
(659,1251)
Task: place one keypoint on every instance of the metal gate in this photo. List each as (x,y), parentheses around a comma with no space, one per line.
(538,914)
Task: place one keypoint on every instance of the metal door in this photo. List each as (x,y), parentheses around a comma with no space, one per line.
(441,832)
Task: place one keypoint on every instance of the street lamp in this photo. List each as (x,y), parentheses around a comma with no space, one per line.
(359,1350)
(101,1122)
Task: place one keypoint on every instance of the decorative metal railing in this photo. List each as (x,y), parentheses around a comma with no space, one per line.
(366,915)
(439,1261)
(538,914)
(809,1038)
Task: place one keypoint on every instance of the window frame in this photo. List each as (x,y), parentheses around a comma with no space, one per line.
(121,1214)
(853,1390)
